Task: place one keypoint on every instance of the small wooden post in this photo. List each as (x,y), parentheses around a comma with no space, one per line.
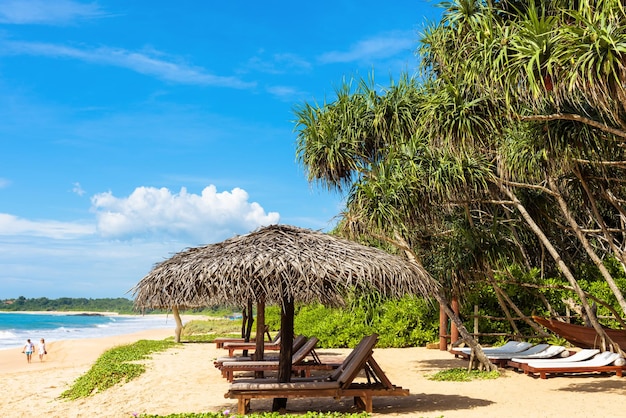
(454,331)
(443,329)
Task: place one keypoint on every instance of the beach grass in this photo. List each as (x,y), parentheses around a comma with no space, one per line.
(115,366)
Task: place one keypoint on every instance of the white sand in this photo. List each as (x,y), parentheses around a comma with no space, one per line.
(185,380)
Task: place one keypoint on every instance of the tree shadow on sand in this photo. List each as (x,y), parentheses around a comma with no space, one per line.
(597,383)
(440,364)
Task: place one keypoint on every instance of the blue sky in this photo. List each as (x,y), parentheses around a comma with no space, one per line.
(133,130)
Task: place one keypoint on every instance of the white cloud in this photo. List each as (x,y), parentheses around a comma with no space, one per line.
(4,183)
(279,64)
(285,93)
(381,47)
(143,63)
(207,217)
(76,188)
(57,12)
(12,225)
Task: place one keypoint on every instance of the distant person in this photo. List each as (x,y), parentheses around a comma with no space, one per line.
(29,347)
(41,349)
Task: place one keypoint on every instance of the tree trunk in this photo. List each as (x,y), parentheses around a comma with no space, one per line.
(585,243)
(454,317)
(502,293)
(559,261)
(477,350)
(179,324)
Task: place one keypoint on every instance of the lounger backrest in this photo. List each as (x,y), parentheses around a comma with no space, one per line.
(298,342)
(361,354)
(339,370)
(304,351)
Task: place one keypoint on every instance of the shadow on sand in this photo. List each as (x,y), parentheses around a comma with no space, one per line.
(414,404)
(596,383)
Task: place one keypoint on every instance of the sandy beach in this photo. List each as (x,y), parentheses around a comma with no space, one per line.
(184,380)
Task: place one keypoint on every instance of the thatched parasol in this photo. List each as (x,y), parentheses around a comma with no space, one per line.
(278,264)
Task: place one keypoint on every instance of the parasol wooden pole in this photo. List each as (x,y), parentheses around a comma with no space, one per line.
(260,330)
(179,324)
(286,347)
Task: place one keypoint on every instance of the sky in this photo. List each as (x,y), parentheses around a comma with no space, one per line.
(130,131)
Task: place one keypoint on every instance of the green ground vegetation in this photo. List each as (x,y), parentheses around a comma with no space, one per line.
(463,375)
(117,365)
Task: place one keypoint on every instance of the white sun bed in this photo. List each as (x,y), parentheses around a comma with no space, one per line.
(600,363)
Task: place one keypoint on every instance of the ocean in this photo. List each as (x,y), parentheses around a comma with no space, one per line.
(15,328)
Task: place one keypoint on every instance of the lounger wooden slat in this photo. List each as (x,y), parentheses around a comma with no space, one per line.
(304,361)
(235,346)
(220,341)
(338,384)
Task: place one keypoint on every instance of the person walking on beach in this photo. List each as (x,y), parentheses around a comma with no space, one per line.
(29,347)
(41,349)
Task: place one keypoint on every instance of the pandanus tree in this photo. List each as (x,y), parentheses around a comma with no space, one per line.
(364,143)
(519,116)
(554,70)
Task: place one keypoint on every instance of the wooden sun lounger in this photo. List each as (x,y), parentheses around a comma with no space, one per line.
(338,384)
(501,358)
(220,341)
(601,363)
(232,347)
(508,348)
(554,354)
(300,363)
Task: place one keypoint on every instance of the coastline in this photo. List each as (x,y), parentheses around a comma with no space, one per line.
(65,313)
(74,352)
(76,325)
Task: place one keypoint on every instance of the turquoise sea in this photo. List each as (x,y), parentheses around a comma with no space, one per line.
(15,328)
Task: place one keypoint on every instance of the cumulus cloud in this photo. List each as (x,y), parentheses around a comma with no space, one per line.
(149,63)
(206,217)
(380,47)
(57,12)
(13,225)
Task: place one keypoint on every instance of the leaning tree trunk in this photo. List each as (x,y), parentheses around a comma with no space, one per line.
(585,243)
(477,350)
(502,294)
(559,261)
(479,354)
